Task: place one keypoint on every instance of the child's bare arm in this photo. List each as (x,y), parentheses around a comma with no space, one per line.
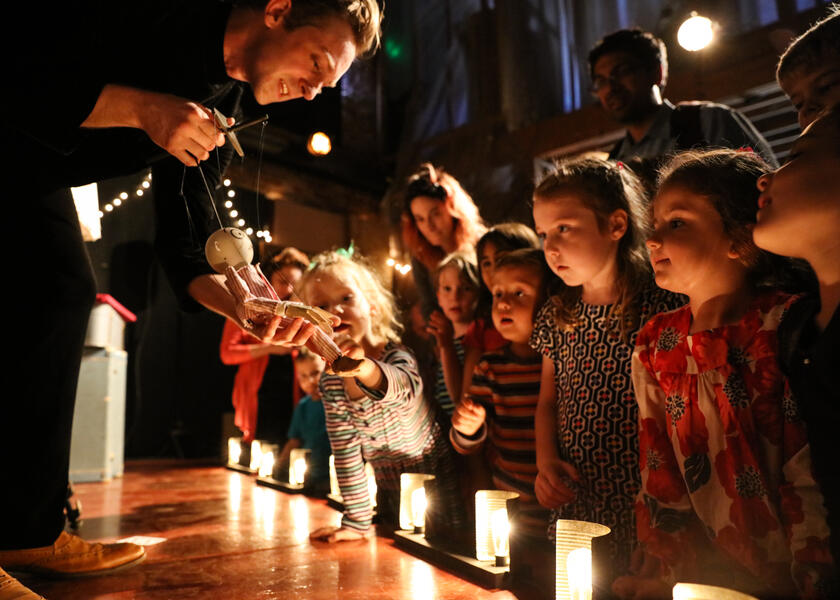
(472,356)
(545,424)
(453,371)
(553,474)
(368,372)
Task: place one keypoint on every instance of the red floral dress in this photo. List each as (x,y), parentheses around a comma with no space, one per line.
(725,463)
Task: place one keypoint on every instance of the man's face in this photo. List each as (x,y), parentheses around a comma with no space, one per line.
(626,89)
(283,65)
(812,91)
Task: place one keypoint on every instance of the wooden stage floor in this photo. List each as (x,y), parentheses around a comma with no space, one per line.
(227,538)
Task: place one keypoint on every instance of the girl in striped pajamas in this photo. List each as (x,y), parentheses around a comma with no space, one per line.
(378,412)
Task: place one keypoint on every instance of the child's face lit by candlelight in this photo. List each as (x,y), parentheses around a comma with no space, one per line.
(343,298)
(515,293)
(799,205)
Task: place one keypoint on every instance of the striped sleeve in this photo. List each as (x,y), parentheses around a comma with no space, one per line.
(347,450)
(402,376)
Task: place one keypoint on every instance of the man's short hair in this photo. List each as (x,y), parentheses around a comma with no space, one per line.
(645,46)
(363,16)
(812,49)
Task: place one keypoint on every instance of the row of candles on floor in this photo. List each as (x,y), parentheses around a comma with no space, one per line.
(573,540)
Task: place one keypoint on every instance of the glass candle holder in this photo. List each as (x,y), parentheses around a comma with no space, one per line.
(298,465)
(696,591)
(256,455)
(488,502)
(573,546)
(408,483)
(234,450)
(267,462)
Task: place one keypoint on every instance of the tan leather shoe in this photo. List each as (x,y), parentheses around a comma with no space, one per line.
(12,589)
(70,556)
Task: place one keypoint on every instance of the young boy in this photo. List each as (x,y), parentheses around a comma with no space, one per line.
(809,70)
(308,428)
(502,399)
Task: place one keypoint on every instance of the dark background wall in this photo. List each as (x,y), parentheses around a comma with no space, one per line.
(177,387)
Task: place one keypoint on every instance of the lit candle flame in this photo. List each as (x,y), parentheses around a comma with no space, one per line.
(299,471)
(500,530)
(234,451)
(418,507)
(579,570)
(267,465)
(256,455)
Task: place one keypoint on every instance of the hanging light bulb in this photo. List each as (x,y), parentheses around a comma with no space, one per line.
(319,144)
(117,201)
(226,182)
(234,213)
(695,33)
(124,195)
(228,204)
(231,193)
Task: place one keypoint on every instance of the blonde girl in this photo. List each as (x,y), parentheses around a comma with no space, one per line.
(378,412)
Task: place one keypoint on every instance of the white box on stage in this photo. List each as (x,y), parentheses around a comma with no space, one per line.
(106,326)
(97,447)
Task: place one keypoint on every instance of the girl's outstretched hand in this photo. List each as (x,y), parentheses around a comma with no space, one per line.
(554,485)
(351,349)
(334,534)
(366,372)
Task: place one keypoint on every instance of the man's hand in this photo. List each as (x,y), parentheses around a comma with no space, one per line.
(553,485)
(184,129)
(336,534)
(468,417)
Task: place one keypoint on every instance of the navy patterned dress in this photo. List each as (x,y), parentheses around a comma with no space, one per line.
(597,418)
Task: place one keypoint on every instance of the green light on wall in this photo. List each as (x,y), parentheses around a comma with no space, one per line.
(393,49)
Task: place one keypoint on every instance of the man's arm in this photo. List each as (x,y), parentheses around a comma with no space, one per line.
(185,129)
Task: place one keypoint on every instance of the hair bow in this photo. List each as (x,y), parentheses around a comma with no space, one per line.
(347,252)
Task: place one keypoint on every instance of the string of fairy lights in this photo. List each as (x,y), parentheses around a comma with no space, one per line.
(233,213)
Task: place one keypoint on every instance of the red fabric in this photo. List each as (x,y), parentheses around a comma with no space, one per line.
(482,335)
(724,452)
(108,299)
(233,350)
